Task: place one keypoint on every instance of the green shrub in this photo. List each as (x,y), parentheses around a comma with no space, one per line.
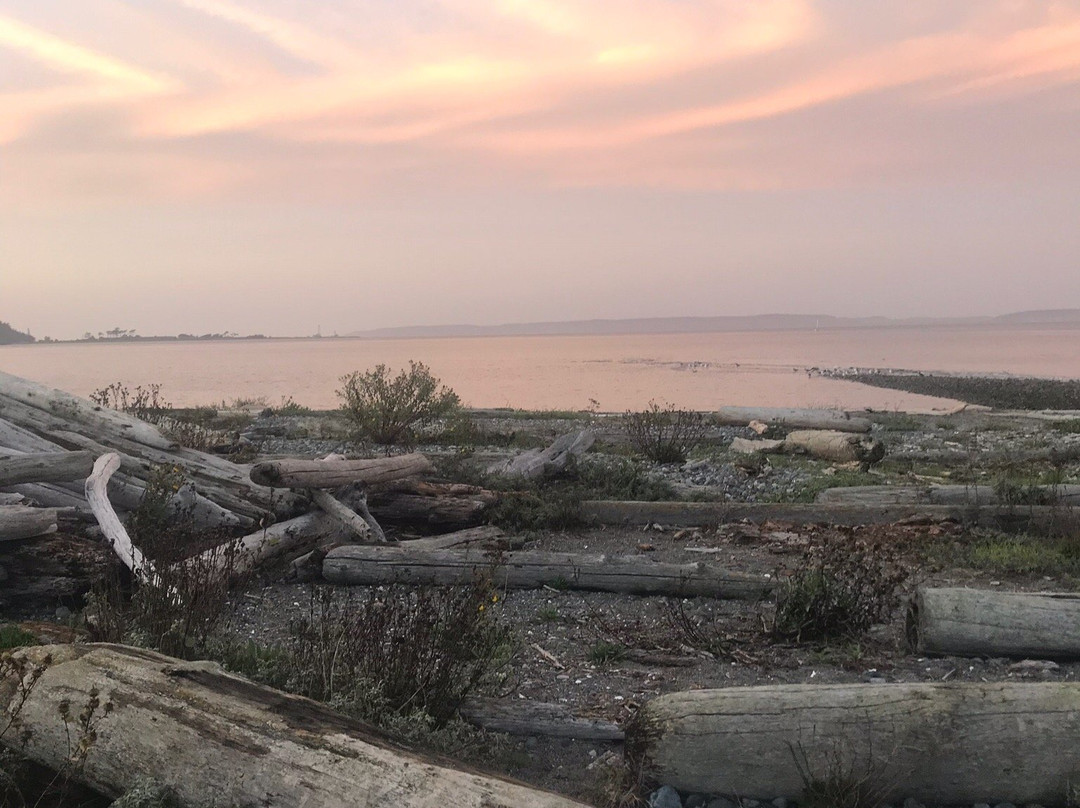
(389,410)
(664,434)
(13,636)
(605,652)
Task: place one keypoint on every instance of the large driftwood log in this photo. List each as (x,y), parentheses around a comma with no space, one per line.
(49,570)
(484,536)
(44,467)
(532,718)
(537,463)
(974,622)
(349,519)
(278,542)
(526,569)
(793,418)
(944,743)
(21,522)
(218,739)
(73,408)
(98,497)
(295,473)
(943,495)
(839,447)
(692,514)
(439,505)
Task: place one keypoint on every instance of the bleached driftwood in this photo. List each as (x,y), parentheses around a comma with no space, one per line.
(369,566)
(44,467)
(837,420)
(349,518)
(295,473)
(839,447)
(214,738)
(979,622)
(278,542)
(947,744)
(536,718)
(762,446)
(1063,495)
(484,536)
(111,526)
(21,522)
(537,463)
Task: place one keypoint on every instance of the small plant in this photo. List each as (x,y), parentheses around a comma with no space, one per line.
(697,633)
(605,652)
(144,402)
(13,636)
(289,407)
(839,590)
(390,410)
(664,434)
(840,784)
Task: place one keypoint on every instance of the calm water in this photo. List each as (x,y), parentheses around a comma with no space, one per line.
(699,371)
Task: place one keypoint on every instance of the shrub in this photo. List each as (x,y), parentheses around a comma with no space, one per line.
(389,410)
(839,590)
(664,434)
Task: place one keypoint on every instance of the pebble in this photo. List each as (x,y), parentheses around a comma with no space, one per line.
(665,797)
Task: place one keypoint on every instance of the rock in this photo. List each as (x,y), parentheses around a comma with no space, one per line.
(721,802)
(665,797)
(695,801)
(1033,666)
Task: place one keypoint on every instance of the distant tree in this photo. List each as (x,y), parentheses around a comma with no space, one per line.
(9,336)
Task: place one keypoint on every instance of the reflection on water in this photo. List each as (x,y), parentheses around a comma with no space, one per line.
(698,371)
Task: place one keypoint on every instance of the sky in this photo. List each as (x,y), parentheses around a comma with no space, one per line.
(283,166)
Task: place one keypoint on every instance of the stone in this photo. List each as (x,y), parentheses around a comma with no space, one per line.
(722,802)
(665,797)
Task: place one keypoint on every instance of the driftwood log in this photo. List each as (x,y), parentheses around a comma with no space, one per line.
(944,743)
(44,467)
(538,463)
(975,622)
(1065,495)
(218,739)
(837,420)
(295,473)
(485,536)
(110,523)
(693,514)
(532,718)
(839,447)
(433,505)
(21,522)
(367,566)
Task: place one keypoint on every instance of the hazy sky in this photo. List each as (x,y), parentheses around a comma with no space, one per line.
(275,166)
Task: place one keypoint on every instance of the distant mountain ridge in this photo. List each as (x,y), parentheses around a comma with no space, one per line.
(697,325)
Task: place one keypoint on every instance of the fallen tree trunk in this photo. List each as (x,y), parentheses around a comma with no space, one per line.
(349,519)
(1065,495)
(434,505)
(45,468)
(974,622)
(837,420)
(533,718)
(537,463)
(248,744)
(49,570)
(21,522)
(526,569)
(295,473)
(278,542)
(73,408)
(111,526)
(839,447)
(943,743)
(485,536)
(695,514)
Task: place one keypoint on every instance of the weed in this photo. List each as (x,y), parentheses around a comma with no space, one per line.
(605,652)
(664,434)
(289,407)
(389,410)
(839,590)
(1069,426)
(840,784)
(549,614)
(13,636)
(1025,555)
(695,632)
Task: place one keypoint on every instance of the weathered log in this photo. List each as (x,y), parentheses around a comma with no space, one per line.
(21,522)
(484,536)
(349,519)
(839,447)
(98,497)
(837,420)
(73,408)
(1067,495)
(12,498)
(694,514)
(537,463)
(943,743)
(50,569)
(214,738)
(974,622)
(760,446)
(277,542)
(44,468)
(439,505)
(296,473)
(367,566)
(536,718)
(49,495)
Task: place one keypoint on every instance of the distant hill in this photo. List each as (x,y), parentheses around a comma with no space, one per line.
(697,325)
(9,336)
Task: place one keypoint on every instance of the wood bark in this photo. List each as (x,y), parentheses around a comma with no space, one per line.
(793,418)
(974,622)
(367,566)
(21,522)
(946,744)
(839,447)
(696,514)
(536,718)
(214,738)
(296,473)
(44,467)
(73,408)
(538,463)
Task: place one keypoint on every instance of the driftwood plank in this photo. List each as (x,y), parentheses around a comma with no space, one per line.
(526,569)
(296,473)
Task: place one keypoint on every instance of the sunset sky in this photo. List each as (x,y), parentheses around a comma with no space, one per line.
(279,165)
